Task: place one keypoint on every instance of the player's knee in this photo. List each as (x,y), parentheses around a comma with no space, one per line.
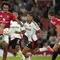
(23,52)
(4,45)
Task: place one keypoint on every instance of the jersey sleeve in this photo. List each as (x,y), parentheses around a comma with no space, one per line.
(54,21)
(13,17)
(36,27)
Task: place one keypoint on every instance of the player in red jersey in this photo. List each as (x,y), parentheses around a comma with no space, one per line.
(56,23)
(5,18)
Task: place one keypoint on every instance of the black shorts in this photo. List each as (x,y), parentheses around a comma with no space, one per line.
(32,45)
(25,38)
(13,43)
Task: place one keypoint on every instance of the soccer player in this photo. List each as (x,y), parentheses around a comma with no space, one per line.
(30,35)
(56,23)
(30,27)
(5,18)
(15,37)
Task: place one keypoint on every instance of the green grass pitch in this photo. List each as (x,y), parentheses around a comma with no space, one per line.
(32,58)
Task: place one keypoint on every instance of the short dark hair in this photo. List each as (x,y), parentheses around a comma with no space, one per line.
(51,13)
(30,13)
(5,3)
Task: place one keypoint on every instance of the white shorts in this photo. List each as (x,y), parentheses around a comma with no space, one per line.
(4,38)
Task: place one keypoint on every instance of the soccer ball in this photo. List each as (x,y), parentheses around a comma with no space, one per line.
(6,31)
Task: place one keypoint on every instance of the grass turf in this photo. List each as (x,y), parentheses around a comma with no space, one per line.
(33,58)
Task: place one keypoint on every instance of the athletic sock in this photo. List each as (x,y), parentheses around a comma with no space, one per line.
(22,56)
(28,58)
(43,49)
(54,55)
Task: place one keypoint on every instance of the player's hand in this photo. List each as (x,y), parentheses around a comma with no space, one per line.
(6,31)
(41,33)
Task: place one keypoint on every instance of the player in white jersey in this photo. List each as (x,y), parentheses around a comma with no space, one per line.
(31,27)
(30,34)
(15,37)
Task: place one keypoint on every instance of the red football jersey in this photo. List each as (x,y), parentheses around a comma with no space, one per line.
(5,18)
(55,21)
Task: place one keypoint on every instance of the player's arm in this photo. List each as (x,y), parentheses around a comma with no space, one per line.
(14,16)
(41,32)
(38,28)
(58,30)
(21,32)
(17,20)
(1,28)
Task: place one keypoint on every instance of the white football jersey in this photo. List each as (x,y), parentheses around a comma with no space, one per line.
(14,26)
(31,30)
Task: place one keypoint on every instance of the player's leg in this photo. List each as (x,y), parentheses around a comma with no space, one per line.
(55,53)
(11,46)
(19,52)
(42,49)
(17,45)
(55,48)
(14,47)
(4,41)
(4,45)
(18,49)
(26,48)
(24,51)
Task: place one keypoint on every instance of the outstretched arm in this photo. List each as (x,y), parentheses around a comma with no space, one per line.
(41,32)
(16,18)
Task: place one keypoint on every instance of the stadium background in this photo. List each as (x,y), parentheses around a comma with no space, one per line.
(39,10)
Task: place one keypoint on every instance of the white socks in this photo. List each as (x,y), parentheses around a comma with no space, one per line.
(28,58)
(22,56)
(43,49)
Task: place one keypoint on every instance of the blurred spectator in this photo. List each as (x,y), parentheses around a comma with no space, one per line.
(22,8)
(51,31)
(24,17)
(29,5)
(51,41)
(1,1)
